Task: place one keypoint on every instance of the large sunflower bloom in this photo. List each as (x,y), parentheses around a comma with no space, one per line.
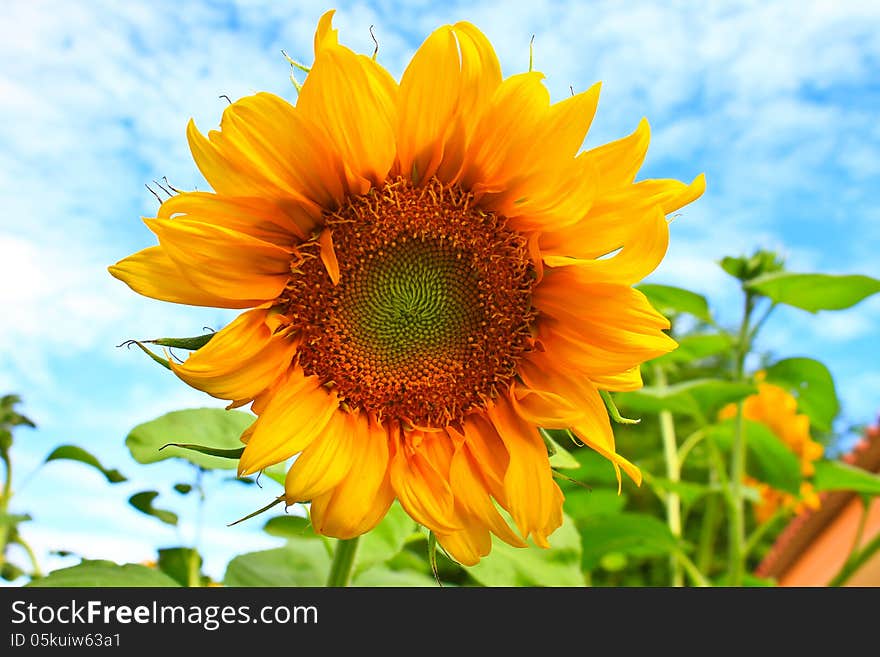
(423,268)
(776,408)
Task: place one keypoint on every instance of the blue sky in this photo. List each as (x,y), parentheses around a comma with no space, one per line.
(775,102)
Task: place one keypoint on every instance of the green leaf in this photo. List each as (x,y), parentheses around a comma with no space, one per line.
(834,475)
(747,580)
(736,267)
(181,564)
(700,398)
(381,576)
(632,534)
(183,489)
(813,386)
(560,457)
(688,491)
(233,454)
(9,417)
(143,502)
(74,453)
(582,503)
(104,574)
(302,562)
(533,566)
(595,470)
(12,519)
(670,300)
(10,572)
(211,427)
(769,459)
(696,347)
(386,539)
(746,269)
(814,292)
(277,472)
(289,527)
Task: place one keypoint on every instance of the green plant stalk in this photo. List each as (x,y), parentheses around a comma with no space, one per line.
(860,529)
(718,472)
(688,444)
(762,530)
(673,473)
(193,579)
(736,533)
(846,570)
(343,562)
(708,529)
(36,573)
(855,562)
(4,506)
(693,572)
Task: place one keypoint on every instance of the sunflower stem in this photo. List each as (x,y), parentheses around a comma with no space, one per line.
(738,457)
(854,562)
(343,562)
(673,473)
(4,505)
(706,549)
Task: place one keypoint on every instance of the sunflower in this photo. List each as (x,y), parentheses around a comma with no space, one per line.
(776,408)
(430,271)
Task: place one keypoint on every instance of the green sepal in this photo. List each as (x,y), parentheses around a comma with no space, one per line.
(193,343)
(612,409)
(278,499)
(432,556)
(162,361)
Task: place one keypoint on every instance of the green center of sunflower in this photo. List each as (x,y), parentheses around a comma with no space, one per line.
(431,311)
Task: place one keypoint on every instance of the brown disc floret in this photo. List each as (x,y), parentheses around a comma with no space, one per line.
(431,311)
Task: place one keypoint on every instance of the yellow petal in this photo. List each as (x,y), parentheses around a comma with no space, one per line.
(629,380)
(468,544)
(326,35)
(223,261)
(361,499)
(228,177)
(421,482)
(296,413)
(597,328)
(472,494)
(241,360)
(540,406)
(521,134)
(446,85)
(324,463)
(354,100)
(273,141)
(594,430)
(613,220)
(328,255)
(534,498)
(502,134)
(639,254)
(618,162)
(552,198)
(486,448)
(152,273)
(429,91)
(283,224)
